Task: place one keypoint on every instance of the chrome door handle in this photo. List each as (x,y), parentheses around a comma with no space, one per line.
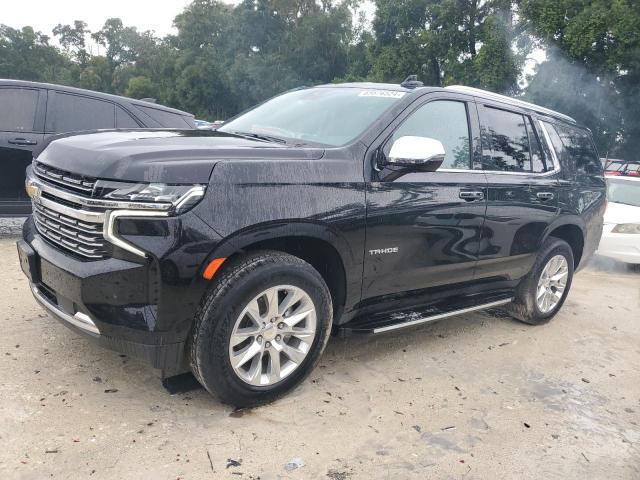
(545,196)
(471,196)
(22,141)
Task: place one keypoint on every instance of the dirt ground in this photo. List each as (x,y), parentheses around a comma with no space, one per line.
(475,397)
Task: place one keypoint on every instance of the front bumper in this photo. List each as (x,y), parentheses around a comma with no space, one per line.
(142,307)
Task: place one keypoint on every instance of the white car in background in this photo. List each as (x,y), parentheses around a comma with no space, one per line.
(621,233)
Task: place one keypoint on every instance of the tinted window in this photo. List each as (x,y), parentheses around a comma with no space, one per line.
(556,142)
(18,107)
(581,150)
(73,113)
(505,141)
(539,162)
(124,120)
(445,121)
(164,118)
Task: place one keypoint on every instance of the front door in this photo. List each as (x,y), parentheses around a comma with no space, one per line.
(423,228)
(19,137)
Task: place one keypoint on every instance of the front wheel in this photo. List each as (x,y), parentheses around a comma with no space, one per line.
(543,291)
(262,328)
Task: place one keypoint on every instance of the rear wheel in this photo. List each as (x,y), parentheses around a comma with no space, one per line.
(543,291)
(261,329)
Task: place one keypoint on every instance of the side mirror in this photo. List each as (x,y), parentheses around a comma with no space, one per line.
(426,154)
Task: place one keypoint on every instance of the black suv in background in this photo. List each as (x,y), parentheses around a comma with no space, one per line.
(31,113)
(347,208)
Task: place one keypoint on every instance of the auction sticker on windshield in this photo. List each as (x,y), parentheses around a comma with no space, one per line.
(382,94)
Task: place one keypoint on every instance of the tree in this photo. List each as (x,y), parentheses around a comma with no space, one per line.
(595,66)
(26,54)
(141,87)
(72,40)
(448,41)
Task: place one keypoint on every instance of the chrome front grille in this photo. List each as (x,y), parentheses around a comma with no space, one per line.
(70,181)
(68,215)
(81,237)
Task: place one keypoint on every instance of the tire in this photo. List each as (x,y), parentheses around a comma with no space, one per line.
(239,287)
(525,306)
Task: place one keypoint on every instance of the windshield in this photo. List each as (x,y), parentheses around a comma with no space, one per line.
(327,116)
(627,192)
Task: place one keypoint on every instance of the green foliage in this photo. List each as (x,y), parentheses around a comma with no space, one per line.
(593,71)
(447,42)
(141,87)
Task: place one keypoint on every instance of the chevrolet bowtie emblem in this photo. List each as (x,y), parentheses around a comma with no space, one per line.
(33,190)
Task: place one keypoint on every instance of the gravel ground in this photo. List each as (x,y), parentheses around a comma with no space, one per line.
(11,226)
(474,397)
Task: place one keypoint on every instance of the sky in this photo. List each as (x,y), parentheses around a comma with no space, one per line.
(43,15)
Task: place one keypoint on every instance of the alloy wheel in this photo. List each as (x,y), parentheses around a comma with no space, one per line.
(273,335)
(552,283)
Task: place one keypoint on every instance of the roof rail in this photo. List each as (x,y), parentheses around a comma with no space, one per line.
(503,98)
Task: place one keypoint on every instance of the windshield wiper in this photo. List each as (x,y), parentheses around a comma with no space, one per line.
(260,136)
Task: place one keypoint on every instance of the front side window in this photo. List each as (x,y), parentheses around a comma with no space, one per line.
(18,107)
(330,116)
(505,141)
(443,120)
(74,113)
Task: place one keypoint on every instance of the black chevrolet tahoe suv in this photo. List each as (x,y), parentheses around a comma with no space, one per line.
(356,208)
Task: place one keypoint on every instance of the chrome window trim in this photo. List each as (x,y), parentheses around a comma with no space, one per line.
(499,172)
(554,154)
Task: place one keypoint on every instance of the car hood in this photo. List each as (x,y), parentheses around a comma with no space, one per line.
(169,156)
(621,213)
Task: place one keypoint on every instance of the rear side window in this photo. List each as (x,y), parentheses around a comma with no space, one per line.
(505,141)
(164,118)
(73,113)
(442,120)
(124,120)
(18,107)
(580,149)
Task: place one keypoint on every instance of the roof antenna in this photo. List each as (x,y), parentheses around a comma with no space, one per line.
(412,82)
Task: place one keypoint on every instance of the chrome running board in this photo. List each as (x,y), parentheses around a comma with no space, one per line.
(409,317)
(440,316)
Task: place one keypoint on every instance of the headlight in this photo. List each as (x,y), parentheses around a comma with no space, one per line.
(177,198)
(627,228)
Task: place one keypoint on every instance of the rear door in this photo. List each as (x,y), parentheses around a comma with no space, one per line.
(423,228)
(523,184)
(21,132)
